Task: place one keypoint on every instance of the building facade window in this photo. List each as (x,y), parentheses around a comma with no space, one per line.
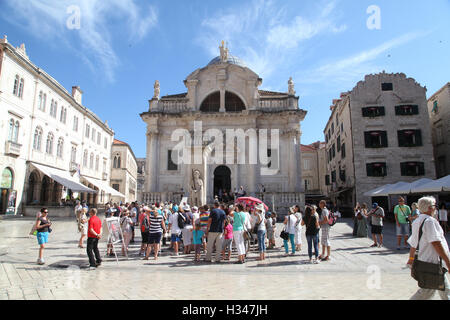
(333,176)
(116,186)
(116,162)
(435,108)
(441,166)
(93,134)
(327,180)
(49,145)
(99,138)
(73,154)
(338,144)
(19,84)
(342,175)
(85,158)
(88,131)
(373,112)
(343,151)
(53,108)
(75,123)
(376,139)
(37,141)
(406,110)
(13,134)
(106,143)
(409,138)
(387,87)
(97,160)
(171,166)
(63,115)
(91,161)
(376,169)
(412,168)
(60,148)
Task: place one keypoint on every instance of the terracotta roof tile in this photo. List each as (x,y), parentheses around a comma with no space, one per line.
(174,96)
(271,93)
(120,142)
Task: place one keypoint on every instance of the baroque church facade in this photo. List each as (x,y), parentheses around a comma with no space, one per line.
(222,99)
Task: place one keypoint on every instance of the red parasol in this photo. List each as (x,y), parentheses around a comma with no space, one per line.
(251,201)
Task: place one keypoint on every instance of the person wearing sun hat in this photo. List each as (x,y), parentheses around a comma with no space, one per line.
(261,231)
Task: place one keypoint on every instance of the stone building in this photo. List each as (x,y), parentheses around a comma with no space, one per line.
(314,171)
(51,146)
(378,133)
(439,111)
(123,172)
(140,178)
(223,102)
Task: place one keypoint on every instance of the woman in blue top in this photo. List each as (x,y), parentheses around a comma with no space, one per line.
(238,232)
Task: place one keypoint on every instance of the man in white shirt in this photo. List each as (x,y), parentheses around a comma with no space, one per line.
(175,231)
(432,246)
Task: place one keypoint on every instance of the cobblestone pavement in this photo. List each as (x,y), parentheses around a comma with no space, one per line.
(355,271)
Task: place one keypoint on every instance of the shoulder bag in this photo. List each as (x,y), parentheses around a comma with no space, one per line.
(428,275)
(284,234)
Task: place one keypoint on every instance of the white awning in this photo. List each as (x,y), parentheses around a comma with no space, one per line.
(104,186)
(439,185)
(63,177)
(373,192)
(406,189)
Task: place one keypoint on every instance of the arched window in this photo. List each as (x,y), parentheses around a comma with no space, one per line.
(16,132)
(211,103)
(60,148)
(116,163)
(91,161)
(233,103)
(49,145)
(85,157)
(73,154)
(11,130)
(37,139)
(97,159)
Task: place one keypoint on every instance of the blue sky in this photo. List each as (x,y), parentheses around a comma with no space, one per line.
(123,46)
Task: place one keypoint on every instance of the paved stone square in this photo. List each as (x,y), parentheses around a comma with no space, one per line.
(355,271)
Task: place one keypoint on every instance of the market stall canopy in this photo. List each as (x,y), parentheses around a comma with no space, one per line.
(373,192)
(63,177)
(406,189)
(104,186)
(439,185)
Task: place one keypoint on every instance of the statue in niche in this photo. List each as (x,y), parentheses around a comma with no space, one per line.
(196,190)
(157,90)
(291,90)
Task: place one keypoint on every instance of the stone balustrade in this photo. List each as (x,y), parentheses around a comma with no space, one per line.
(152,197)
(173,106)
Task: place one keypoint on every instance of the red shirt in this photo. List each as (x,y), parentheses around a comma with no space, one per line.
(96,224)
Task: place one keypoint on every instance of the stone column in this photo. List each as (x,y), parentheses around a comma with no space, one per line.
(222,99)
(293,174)
(153,158)
(298,184)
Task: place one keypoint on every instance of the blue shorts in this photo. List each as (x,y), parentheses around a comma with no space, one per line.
(175,238)
(42,237)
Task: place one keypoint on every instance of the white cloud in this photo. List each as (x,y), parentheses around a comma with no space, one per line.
(47,19)
(347,70)
(259,35)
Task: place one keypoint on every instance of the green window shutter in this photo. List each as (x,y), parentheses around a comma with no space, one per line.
(418,138)
(369,168)
(384,139)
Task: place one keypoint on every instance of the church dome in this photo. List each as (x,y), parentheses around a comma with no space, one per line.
(230,59)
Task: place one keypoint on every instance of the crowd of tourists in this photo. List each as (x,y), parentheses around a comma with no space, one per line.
(215,232)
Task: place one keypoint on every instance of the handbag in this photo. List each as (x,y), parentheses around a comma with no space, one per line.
(284,234)
(428,275)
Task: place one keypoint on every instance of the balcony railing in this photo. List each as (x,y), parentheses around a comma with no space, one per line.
(12,148)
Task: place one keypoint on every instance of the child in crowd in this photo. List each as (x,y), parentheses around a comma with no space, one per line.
(197,240)
(228,239)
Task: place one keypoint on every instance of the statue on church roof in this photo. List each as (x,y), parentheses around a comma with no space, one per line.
(291,90)
(157,90)
(223,52)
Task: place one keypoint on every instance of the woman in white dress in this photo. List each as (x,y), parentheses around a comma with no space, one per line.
(298,228)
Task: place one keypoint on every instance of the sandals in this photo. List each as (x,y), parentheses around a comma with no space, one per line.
(326,258)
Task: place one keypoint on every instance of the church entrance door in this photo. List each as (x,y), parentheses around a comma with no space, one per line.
(222,181)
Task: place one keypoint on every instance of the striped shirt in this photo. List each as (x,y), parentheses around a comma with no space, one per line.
(155,224)
(204,217)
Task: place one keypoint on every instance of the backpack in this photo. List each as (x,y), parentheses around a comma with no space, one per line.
(181,220)
(332,219)
(145,227)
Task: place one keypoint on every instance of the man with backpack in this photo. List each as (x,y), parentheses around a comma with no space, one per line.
(175,229)
(145,229)
(325,227)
